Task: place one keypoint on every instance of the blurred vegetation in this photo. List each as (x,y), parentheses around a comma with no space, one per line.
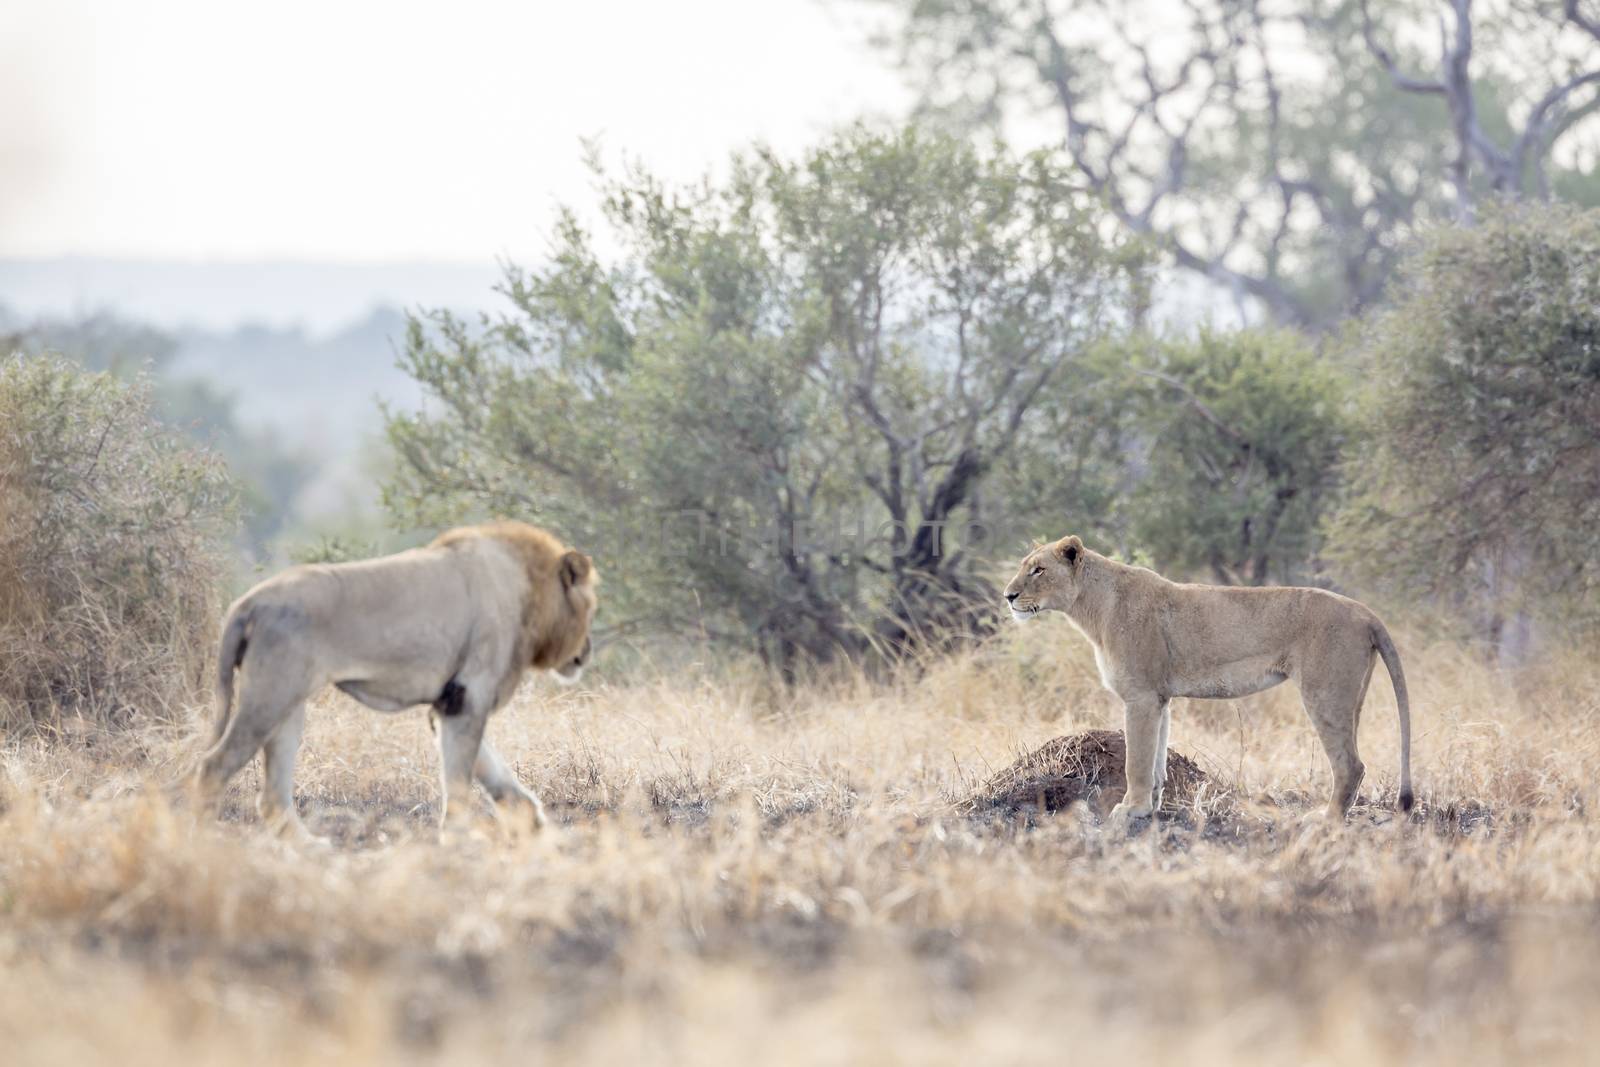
(813,406)
(1478,471)
(113,546)
(336,548)
(268,474)
(812,409)
(778,410)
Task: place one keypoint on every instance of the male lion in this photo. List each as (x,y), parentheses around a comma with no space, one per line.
(453,625)
(1155,640)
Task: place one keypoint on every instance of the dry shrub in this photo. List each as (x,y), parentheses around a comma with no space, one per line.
(111,549)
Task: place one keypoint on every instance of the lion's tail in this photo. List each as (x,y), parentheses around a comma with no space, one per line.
(1397,677)
(235,639)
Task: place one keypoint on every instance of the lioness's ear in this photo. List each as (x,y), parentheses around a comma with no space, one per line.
(575,567)
(1070,549)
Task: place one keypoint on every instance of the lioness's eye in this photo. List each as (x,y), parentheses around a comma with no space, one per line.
(1036,570)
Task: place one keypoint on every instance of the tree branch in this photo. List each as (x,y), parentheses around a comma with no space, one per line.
(1400,79)
(1587,23)
(1198,405)
(1533,132)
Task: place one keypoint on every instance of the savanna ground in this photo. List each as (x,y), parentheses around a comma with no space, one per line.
(743,876)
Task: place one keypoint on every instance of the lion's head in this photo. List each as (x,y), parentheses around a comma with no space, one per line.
(1048,580)
(578,579)
(562,595)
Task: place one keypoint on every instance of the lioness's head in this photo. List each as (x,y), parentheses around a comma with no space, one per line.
(571,648)
(1048,579)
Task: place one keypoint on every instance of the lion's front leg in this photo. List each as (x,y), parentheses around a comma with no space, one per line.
(503,786)
(1142,731)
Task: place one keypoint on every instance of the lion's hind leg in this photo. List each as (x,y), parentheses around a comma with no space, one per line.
(266,702)
(1333,692)
(246,734)
(276,802)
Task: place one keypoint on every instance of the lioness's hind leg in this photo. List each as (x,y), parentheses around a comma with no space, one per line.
(1333,694)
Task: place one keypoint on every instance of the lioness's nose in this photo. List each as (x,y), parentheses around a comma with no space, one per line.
(1010,597)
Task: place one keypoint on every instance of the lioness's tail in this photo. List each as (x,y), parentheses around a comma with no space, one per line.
(1397,677)
(235,637)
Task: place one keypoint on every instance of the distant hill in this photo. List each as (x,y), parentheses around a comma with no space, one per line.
(320,392)
(306,351)
(319,297)
(318,395)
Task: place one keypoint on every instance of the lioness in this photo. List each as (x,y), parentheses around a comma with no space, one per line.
(1155,640)
(453,625)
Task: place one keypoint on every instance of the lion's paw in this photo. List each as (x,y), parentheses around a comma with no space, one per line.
(289,830)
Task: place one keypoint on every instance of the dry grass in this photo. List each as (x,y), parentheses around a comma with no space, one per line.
(736,879)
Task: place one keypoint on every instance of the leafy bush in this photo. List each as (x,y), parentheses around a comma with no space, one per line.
(112,547)
(1483,411)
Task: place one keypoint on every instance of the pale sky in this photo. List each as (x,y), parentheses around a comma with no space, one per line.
(388,131)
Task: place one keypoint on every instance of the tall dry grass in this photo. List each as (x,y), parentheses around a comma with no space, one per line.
(739,876)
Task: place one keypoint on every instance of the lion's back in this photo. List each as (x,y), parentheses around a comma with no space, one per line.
(417,608)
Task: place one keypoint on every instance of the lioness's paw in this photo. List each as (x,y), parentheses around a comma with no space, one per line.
(1124,817)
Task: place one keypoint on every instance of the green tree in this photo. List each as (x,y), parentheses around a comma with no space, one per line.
(1482,409)
(788,390)
(1078,455)
(1214,457)
(1244,435)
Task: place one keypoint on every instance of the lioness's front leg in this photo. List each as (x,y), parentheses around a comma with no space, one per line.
(503,786)
(1142,732)
(1161,754)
